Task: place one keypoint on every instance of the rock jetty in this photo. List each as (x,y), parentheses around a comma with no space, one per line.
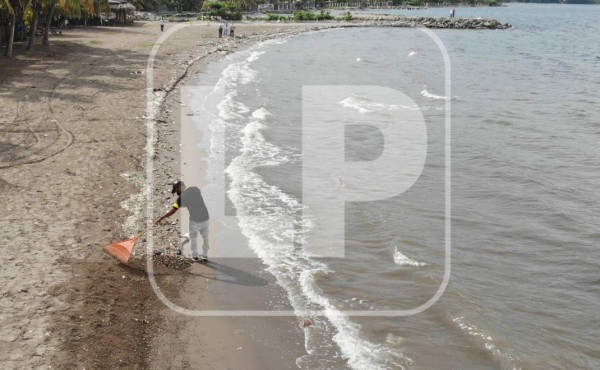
(432,22)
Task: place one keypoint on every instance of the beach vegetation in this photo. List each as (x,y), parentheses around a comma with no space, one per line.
(225,10)
(324,16)
(346,17)
(302,15)
(272,17)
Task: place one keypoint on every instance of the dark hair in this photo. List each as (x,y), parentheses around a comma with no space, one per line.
(176,184)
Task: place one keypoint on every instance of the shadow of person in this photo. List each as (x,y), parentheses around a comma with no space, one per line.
(228,274)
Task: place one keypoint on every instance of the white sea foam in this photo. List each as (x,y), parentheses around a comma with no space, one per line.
(240,72)
(355,104)
(427,94)
(402,260)
(412,53)
(260,113)
(230,109)
(363,105)
(254,56)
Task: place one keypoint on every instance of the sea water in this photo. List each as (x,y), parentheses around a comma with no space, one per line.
(524,286)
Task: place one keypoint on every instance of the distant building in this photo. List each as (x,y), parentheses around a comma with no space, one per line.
(266,8)
(277,6)
(121,11)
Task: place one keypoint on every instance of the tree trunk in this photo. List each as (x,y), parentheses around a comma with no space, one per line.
(48,21)
(11,35)
(34,22)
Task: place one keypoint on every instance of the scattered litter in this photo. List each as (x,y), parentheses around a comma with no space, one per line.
(170,259)
(306,323)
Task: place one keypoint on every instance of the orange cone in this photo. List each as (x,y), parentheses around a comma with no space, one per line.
(122,250)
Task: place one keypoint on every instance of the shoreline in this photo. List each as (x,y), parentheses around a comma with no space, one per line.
(250,338)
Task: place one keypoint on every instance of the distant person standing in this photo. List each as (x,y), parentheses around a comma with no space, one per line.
(232,31)
(162,24)
(191,198)
(220,30)
(452,13)
(226,30)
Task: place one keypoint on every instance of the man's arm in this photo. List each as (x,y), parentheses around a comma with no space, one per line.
(168,214)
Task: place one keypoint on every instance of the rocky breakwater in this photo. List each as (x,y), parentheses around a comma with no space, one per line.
(433,22)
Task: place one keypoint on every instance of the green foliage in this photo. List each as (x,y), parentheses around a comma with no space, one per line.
(28,15)
(301,15)
(6,7)
(346,17)
(324,16)
(415,2)
(272,17)
(212,5)
(227,11)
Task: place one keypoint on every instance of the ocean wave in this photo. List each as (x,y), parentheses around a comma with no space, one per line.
(427,94)
(475,331)
(506,359)
(230,109)
(240,72)
(363,105)
(401,260)
(260,113)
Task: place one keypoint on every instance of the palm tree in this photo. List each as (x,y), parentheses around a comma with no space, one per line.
(50,6)
(70,8)
(36,7)
(11,34)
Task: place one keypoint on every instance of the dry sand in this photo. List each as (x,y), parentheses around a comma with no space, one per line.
(71,172)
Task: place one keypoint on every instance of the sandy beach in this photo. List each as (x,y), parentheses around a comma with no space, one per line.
(72,170)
